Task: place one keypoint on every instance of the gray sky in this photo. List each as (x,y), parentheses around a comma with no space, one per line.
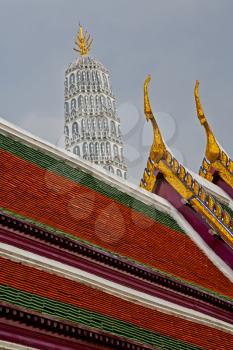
(177,41)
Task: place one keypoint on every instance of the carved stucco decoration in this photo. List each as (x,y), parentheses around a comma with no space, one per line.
(215,158)
(161,161)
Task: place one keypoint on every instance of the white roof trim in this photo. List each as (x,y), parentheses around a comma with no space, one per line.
(210,187)
(5,345)
(196,238)
(130,294)
(138,193)
(72,160)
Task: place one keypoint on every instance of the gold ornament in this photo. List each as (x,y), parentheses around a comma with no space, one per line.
(83,42)
(216,159)
(161,161)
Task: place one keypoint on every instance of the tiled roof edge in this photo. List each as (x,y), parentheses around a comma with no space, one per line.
(123,292)
(37,143)
(105,259)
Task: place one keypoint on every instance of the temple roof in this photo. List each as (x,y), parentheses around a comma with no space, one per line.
(216,165)
(161,161)
(99,257)
(151,205)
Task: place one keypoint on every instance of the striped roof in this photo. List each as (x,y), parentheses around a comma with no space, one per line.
(52,204)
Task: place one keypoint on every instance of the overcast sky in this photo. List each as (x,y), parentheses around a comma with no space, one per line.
(176,41)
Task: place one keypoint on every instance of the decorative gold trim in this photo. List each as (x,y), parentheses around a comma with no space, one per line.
(216,159)
(83,42)
(161,161)
(158,148)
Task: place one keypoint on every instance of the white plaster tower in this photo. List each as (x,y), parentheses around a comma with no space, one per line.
(92,127)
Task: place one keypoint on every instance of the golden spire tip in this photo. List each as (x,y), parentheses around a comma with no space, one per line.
(83,42)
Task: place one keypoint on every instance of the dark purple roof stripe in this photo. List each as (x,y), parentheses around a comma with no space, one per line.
(48,332)
(125,272)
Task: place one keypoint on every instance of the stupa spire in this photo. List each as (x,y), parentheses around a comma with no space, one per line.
(83,42)
(92,126)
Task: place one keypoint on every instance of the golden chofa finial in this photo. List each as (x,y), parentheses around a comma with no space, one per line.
(83,42)
(158,148)
(147,107)
(213,151)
